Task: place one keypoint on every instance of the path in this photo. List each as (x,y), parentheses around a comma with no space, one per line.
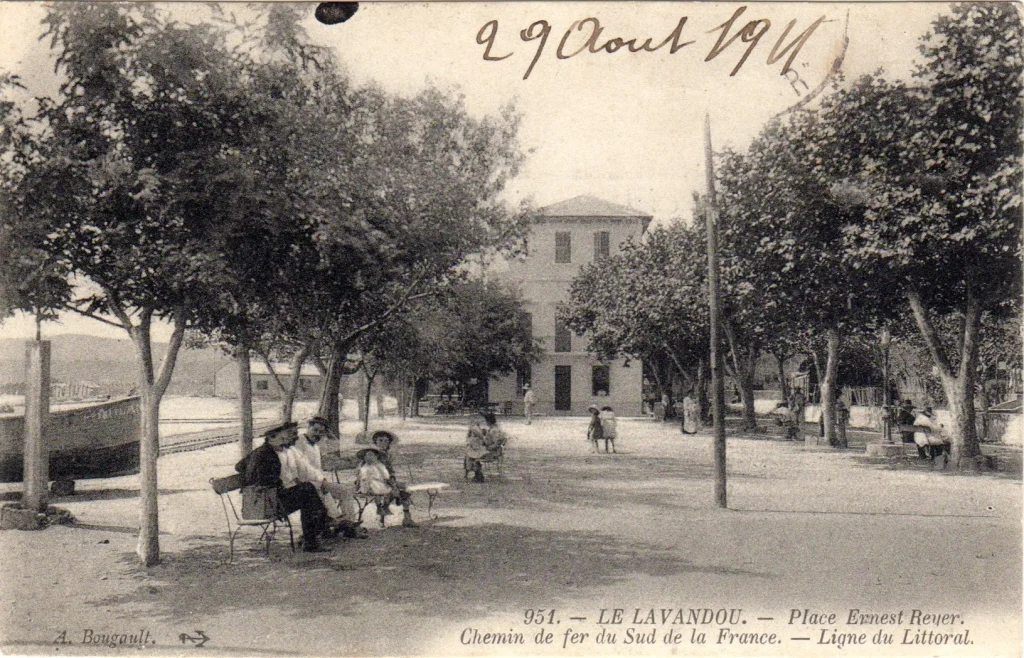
(814,529)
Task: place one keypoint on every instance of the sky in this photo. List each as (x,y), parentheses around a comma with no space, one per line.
(626,127)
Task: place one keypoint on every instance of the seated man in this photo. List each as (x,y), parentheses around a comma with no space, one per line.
(377,476)
(273,465)
(337,498)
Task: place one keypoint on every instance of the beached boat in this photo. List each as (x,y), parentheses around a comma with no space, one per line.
(94,440)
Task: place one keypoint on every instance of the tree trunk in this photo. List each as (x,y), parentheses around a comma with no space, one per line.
(366,398)
(965,447)
(288,394)
(703,400)
(828,385)
(380,401)
(152,388)
(332,387)
(244,401)
(148,548)
(783,384)
(743,371)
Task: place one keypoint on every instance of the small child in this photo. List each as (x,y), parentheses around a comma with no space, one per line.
(608,429)
(374,478)
(595,432)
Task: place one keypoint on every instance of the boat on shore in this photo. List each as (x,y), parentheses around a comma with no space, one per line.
(89,440)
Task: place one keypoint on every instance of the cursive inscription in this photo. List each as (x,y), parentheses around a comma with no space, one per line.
(587,36)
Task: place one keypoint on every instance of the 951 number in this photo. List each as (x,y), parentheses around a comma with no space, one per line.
(539,616)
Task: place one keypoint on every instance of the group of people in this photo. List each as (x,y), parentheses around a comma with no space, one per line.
(930,438)
(291,467)
(485,441)
(602,427)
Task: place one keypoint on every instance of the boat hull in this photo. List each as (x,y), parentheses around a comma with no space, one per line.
(97,441)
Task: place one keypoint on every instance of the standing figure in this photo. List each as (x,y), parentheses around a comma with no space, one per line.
(796,408)
(529,400)
(595,432)
(842,419)
(608,427)
(689,424)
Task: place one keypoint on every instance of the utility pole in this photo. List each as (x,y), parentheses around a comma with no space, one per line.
(717,385)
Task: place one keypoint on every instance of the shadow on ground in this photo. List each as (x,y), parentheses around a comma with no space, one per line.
(436,572)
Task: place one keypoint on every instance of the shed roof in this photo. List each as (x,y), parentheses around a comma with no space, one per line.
(1009,407)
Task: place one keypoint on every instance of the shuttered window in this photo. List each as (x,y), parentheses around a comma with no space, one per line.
(563,337)
(563,247)
(602,245)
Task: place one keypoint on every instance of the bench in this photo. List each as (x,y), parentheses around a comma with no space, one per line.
(432,490)
(265,521)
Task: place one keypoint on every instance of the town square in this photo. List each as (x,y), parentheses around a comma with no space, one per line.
(479,329)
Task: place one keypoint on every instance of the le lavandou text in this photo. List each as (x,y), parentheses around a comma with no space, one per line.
(588,36)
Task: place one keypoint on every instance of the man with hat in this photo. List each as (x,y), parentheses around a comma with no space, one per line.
(273,465)
(337,498)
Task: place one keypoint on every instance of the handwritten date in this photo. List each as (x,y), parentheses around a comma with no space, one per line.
(586,36)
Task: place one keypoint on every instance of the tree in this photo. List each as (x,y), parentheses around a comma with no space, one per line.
(942,204)
(647,302)
(785,235)
(419,201)
(131,186)
(486,334)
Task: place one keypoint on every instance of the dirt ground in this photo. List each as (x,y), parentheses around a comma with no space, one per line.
(564,537)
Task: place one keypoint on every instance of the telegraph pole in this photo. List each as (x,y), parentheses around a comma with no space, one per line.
(717,385)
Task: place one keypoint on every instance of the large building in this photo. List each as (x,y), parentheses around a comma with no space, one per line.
(568,379)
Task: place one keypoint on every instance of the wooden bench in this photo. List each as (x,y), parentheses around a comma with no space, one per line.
(432,490)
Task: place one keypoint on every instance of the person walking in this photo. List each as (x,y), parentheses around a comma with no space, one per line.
(595,432)
(529,400)
(608,427)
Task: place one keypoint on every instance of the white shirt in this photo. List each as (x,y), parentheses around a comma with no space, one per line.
(924,438)
(295,468)
(310,452)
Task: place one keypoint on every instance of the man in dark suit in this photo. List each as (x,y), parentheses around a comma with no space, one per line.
(271,466)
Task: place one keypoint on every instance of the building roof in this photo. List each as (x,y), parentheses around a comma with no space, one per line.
(260,368)
(282,369)
(1008,407)
(589,206)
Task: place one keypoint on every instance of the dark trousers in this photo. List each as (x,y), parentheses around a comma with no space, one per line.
(304,498)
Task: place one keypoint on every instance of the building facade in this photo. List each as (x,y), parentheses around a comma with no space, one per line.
(264,386)
(567,379)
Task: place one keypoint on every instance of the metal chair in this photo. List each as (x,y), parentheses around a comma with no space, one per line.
(266,522)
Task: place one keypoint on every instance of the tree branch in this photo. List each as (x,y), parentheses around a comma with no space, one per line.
(931,339)
(170,358)
(92,316)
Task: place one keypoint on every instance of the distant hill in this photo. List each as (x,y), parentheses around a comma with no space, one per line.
(110,363)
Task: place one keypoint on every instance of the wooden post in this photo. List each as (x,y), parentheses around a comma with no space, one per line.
(717,385)
(36,472)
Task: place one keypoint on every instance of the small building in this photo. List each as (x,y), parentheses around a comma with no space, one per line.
(567,378)
(264,384)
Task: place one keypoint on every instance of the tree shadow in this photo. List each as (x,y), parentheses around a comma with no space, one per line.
(1006,468)
(87,495)
(493,568)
